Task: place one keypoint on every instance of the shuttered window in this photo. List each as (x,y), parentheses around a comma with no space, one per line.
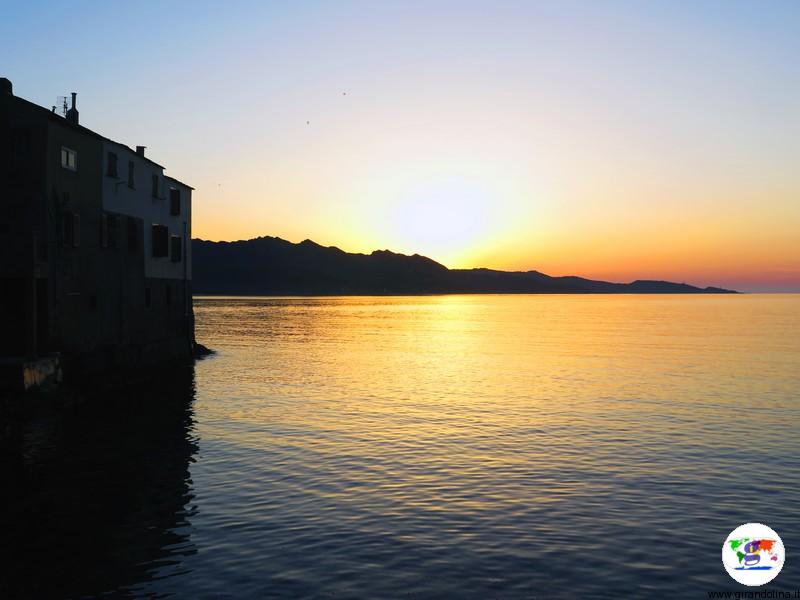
(177,248)
(70,229)
(174,201)
(133,235)
(111,168)
(160,240)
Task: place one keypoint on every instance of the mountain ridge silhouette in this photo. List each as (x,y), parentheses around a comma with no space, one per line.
(273,266)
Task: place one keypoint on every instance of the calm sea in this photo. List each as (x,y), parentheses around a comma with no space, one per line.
(427,447)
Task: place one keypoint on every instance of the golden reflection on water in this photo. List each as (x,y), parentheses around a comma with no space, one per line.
(499,421)
(515,348)
(386,375)
(433,367)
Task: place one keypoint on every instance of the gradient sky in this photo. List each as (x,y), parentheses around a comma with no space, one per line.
(616,140)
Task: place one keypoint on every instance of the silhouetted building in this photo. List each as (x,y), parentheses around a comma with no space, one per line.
(95,259)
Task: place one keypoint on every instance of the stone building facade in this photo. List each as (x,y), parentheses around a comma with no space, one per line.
(95,247)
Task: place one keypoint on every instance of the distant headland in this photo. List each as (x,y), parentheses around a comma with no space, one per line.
(273,266)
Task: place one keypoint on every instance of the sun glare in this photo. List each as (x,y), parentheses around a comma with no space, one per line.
(445,215)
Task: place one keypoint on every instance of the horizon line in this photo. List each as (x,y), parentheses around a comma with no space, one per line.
(684,282)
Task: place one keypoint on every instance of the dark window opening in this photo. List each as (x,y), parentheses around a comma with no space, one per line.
(130,174)
(147,297)
(71,229)
(160,240)
(169,295)
(108,231)
(133,235)
(174,201)
(93,301)
(111,170)
(154,191)
(177,248)
(112,231)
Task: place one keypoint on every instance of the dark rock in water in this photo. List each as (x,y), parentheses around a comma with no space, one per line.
(200,352)
(272,266)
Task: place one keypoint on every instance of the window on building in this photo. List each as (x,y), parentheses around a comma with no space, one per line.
(71,229)
(130,174)
(177,248)
(69,159)
(67,228)
(108,231)
(154,191)
(147,297)
(160,240)
(174,201)
(111,165)
(133,235)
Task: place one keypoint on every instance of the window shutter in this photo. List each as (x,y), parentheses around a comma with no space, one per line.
(112,164)
(133,235)
(160,240)
(174,201)
(177,248)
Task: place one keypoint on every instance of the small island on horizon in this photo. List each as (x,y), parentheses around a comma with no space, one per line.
(273,266)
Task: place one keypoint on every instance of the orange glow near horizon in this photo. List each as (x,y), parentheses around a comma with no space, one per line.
(472,214)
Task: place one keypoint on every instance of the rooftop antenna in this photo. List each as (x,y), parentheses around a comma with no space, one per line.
(62,102)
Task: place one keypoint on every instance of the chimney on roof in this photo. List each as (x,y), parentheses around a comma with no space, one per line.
(140,150)
(72,113)
(6,87)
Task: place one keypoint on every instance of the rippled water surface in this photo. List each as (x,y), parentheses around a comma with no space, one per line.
(452,446)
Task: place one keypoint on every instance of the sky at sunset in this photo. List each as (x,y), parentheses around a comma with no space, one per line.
(613,140)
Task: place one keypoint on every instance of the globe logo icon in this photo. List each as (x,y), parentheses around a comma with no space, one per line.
(753,554)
